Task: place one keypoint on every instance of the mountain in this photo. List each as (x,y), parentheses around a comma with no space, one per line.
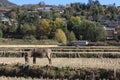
(6,3)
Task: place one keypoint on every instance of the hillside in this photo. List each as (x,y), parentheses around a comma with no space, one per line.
(91,21)
(6,3)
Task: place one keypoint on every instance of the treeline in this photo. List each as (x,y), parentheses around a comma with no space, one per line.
(76,21)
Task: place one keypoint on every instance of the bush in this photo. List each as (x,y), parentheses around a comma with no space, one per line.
(60,36)
(72,36)
(31,37)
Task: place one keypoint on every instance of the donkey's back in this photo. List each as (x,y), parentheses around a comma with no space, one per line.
(41,52)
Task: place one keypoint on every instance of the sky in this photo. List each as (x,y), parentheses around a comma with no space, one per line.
(63,2)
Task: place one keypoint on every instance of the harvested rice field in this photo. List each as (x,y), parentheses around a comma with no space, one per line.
(104,63)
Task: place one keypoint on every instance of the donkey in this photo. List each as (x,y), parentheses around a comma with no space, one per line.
(38,52)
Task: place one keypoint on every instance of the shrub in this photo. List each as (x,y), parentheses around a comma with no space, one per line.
(60,36)
(31,37)
(72,36)
(28,29)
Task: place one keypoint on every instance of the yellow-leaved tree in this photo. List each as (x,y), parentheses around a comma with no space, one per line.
(57,23)
(60,36)
(45,26)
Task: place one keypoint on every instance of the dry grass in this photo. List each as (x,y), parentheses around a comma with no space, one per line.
(105,63)
(11,41)
(18,78)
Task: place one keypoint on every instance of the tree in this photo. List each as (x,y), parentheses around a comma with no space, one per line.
(57,24)
(1,5)
(96,2)
(100,32)
(94,12)
(47,15)
(13,13)
(89,31)
(45,27)
(83,13)
(90,2)
(1,34)
(28,29)
(28,18)
(72,36)
(60,36)
(41,4)
(73,22)
(66,13)
(56,15)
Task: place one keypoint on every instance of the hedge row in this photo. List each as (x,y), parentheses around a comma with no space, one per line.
(50,72)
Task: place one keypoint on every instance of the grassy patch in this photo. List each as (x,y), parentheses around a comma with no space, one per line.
(26,42)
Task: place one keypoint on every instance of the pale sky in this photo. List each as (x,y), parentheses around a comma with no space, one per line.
(62,2)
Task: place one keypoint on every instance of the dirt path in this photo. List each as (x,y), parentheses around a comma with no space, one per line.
(71,62)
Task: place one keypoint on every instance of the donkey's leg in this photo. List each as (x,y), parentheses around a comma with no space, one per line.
(50,61)
(34,60)
(27,60)
(49,58)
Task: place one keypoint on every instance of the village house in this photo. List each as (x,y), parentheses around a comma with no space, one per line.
(110,32)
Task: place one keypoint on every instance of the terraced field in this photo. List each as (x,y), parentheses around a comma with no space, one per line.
(103,63)
(83,59)
(84,56)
